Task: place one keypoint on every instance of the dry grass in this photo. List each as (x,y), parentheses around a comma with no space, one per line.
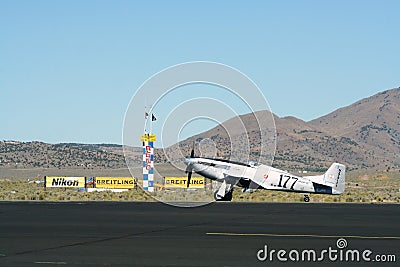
(15,189)
(361,187)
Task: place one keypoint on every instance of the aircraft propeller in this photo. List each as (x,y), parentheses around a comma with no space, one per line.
(189,168)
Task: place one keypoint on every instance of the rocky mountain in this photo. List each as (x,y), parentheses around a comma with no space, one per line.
(372,123)
(365,134)
(15,154)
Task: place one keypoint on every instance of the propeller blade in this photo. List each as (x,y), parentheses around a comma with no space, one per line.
(189,168)
(189,177)
(192,152)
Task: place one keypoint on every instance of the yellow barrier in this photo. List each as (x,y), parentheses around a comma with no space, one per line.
(181,182)
(63,181)
(115,182)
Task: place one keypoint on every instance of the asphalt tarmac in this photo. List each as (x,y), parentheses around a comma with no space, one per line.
(219,234)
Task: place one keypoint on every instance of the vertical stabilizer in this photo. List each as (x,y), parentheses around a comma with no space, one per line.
(335,178)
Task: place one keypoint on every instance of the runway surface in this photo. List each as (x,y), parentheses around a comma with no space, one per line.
(220,234)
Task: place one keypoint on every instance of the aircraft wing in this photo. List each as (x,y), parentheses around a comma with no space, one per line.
(242,182)
(229,179)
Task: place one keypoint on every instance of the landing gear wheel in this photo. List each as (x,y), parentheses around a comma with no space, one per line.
(306,199)
(216,197)
(227,197)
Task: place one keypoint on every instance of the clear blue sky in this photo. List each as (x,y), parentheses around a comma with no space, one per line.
(68,69)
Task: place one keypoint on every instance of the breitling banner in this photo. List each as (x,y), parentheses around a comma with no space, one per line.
(115,182)
(181,182)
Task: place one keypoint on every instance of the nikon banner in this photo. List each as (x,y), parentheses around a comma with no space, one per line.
(63,181)
(181,182)
(115,182)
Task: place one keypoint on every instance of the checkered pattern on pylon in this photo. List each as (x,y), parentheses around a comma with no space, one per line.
(148,167)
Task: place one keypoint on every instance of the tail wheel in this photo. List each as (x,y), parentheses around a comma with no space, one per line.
(306,199)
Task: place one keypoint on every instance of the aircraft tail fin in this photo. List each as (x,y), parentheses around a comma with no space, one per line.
(332,181)
(335,177)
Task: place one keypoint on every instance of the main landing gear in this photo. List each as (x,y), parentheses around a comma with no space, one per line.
(224,193)
(227,197)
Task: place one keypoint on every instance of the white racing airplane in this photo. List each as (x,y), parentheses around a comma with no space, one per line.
(253,176)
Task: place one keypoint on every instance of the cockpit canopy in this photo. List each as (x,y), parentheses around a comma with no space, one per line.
(254,163)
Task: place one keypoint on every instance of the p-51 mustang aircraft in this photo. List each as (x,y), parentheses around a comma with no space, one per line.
(258,176)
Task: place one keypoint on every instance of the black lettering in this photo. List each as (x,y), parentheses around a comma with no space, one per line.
(296,179)
(64,182)
(285,185)
(288,178)
(54,182)
(337,180)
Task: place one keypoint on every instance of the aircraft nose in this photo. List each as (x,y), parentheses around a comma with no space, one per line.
(187,161)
